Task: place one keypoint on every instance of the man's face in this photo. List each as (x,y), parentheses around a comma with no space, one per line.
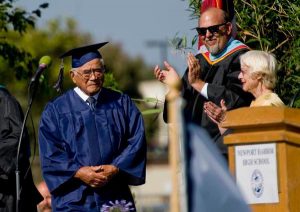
(215,41)
(89,77)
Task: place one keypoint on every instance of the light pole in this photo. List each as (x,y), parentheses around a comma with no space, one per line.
(162,45)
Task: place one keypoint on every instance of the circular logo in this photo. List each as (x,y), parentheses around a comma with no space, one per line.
(257,183)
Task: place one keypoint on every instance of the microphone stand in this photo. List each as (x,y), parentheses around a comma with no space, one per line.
(32,91)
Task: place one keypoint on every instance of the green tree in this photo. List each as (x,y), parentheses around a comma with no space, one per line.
(52,41)
(271,26)
(17,20)
(274,26)
(127,71)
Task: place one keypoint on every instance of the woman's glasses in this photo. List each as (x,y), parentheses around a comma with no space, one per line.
(212,29)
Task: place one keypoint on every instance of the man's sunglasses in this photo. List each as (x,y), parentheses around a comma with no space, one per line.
(212,29)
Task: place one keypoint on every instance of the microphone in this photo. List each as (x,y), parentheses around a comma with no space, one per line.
(44,63)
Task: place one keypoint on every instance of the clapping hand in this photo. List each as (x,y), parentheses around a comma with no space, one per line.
(216,114)
(194,72)
(194,68)
(168,76)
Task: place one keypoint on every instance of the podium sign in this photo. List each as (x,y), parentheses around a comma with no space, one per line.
(264,155)
(256,172)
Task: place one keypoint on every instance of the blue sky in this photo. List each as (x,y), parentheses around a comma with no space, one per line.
(130,23)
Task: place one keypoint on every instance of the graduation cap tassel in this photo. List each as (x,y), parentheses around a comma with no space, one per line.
(58,86)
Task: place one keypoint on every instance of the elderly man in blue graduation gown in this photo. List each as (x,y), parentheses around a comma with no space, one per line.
(92,141)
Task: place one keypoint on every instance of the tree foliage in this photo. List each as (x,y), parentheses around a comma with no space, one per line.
(52,41)
(17,20)
(126,71)
(57,37)
(271,26)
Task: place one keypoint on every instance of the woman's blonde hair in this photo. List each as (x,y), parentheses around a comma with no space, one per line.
(261,64)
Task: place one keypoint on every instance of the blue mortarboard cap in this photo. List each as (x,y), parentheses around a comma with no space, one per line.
(80,56)
(84,54)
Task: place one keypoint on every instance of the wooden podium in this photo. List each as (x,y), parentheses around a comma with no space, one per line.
(269,125)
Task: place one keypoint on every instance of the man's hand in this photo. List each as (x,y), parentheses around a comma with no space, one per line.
(194,68)
(216,114)
(194,72)
(168,76)
(96,176)
(109,171)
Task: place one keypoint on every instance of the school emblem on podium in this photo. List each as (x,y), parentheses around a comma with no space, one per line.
(257,183)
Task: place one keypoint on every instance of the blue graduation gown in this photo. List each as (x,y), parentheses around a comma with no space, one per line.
(71,135)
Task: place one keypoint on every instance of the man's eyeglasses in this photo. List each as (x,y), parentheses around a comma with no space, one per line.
(212,29)
(86,74)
